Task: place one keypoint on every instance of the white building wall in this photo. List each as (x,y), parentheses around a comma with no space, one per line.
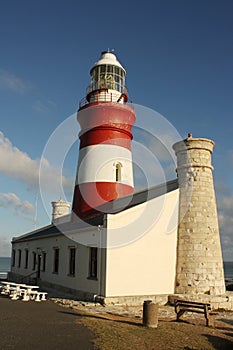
(143,265)
(80,281)
(138,255)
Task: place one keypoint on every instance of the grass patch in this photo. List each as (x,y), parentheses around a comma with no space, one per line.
(125,334)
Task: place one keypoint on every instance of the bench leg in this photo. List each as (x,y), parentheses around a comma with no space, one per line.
(210,321)
(43,298)
(14,296)
(5,291)
(37,297)
(25,297)
(179,314)
(32,296)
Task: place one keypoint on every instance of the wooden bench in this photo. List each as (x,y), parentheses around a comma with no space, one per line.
(181,306)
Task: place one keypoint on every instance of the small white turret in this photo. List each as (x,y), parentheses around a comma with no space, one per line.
(60,208)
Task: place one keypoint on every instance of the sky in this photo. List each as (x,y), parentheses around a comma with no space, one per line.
(179,61)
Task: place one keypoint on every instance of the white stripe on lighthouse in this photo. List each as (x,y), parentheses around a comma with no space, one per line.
(98,163)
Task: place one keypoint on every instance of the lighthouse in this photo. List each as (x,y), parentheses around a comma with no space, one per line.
(105,168)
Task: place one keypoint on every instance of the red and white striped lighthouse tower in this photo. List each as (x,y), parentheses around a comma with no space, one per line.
(105,169)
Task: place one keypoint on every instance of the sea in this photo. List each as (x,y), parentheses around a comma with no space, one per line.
(228,269)
(5,266)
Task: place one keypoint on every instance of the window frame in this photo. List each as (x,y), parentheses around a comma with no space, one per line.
(43,262)
(33,261)
(72,261)
(13,258)
(19,257)
(93,263)
(56,254)
(26,258)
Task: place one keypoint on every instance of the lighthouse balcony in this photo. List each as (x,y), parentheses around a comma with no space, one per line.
(104,95)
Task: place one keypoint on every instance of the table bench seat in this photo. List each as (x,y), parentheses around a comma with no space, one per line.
(182,306)
(26,292)
(34,295)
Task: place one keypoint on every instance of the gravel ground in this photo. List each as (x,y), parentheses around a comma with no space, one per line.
(119,327)
(165,312)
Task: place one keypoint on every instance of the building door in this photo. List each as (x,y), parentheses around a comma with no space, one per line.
(39,265)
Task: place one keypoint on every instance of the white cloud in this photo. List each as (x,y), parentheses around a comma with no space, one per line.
(18,164)
(11,201)
(10,81)
(43,107)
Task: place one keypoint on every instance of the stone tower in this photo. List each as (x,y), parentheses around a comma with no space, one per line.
(199,257)
(60,208)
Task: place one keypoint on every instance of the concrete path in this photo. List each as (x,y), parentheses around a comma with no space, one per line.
(43,325)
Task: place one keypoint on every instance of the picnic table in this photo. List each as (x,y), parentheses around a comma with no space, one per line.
(27,292)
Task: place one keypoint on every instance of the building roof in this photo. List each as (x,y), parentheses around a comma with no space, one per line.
(99,214)
(108,58)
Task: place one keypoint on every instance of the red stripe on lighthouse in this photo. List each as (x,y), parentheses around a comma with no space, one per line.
(89,196)
(106,114)
(106,135)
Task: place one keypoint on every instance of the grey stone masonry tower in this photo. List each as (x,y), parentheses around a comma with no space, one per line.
(199,257)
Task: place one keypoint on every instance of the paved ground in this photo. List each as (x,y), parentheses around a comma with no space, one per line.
(44,325)
(58,324)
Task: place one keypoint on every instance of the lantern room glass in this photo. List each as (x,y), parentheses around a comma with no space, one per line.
(107,77)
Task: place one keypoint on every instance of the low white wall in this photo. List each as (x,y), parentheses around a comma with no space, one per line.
(142,255)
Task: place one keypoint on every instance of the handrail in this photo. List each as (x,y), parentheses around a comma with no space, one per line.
(26,276)
(105,96)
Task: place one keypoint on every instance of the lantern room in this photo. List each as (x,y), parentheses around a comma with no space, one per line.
(107,80)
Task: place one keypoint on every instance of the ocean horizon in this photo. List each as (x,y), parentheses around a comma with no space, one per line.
(5,266)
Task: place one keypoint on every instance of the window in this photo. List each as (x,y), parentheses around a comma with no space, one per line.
(56,260)
(118,171)
(13,257)
(108,76)
(93,263)
(109,68)
(19,257)
(26,259)
(33,261)
(102,68)
(43,261)
(72,261)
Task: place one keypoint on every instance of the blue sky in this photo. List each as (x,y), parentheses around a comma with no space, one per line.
(179,61)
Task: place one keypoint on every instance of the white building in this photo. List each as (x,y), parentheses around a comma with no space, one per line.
(133,261)
(118,245)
